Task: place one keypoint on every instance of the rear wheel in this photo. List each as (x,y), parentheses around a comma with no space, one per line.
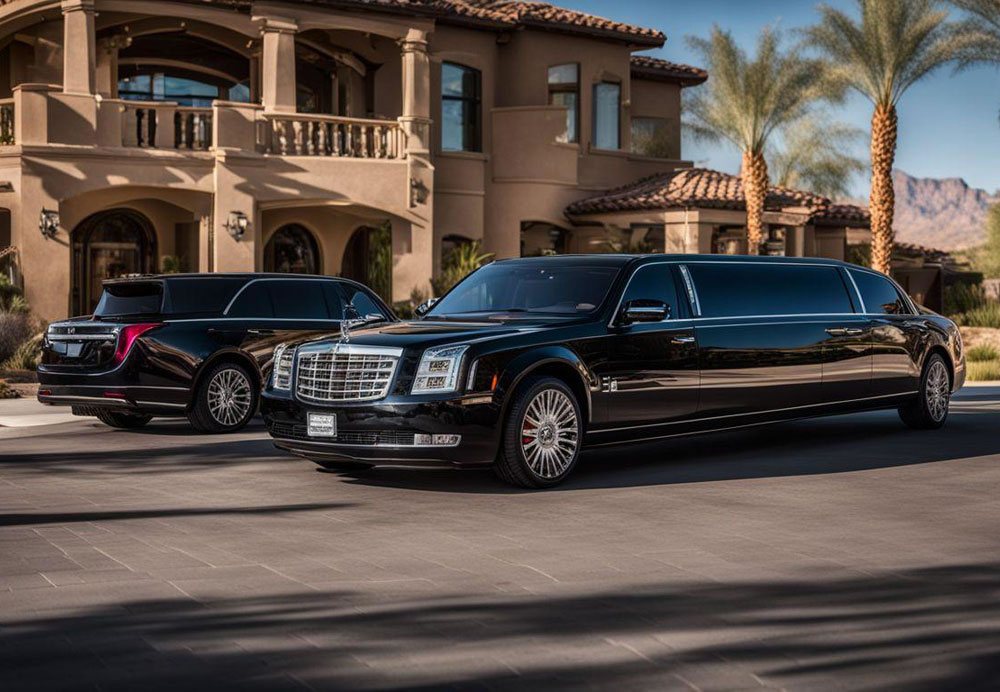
(542,434)
(120,419)
(929,410)
(226,400)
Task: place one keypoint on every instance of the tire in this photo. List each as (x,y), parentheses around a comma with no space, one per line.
(544,455)
(120,419)
(929,409)
(226,399)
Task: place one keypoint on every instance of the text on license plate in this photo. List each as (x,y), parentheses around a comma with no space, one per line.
(322,425)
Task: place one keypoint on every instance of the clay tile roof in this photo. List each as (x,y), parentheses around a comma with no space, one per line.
(511,14)
(690,187)
(655,68)
(843,215)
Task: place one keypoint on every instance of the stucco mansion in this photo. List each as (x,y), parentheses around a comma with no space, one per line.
(310,136)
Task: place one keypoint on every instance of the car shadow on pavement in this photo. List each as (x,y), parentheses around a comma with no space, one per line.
(921,629)
(62,518)
(816,446)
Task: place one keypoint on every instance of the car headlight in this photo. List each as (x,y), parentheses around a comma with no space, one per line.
(438,370)
(281,373)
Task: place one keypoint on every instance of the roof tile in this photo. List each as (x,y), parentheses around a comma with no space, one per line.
(657,68)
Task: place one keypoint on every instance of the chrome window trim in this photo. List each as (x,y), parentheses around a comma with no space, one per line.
(692,291)
(751,413)
(861,298)
(911,306)
(621,298)
(291,277)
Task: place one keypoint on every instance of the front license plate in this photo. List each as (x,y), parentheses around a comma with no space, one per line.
(322,425)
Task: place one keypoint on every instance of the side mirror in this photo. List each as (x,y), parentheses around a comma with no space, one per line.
(643,310)
(422,309)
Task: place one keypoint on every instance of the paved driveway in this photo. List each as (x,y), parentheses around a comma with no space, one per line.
(842,553)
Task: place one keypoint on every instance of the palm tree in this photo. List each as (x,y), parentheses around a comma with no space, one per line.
(814,156)
(981,31)
(746,100)
(890,47)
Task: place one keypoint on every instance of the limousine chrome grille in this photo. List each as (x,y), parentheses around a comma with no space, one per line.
(345,372)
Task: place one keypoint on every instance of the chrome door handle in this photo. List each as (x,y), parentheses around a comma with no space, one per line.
(853,331)
(837,331)
(682,340)
(261,332)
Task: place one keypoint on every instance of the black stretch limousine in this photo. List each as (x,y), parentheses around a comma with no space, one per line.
(195,345)
(526,361)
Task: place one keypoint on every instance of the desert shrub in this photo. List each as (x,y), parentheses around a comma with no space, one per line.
(11,299)
(978,371)
(6,391)
(404,309)
(25,355)
(15,329)
(963,297)
(982,353)
(986,315)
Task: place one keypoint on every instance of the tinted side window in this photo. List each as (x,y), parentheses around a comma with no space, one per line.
(880,296)
(731,289)
(334,300)
(200,294)
(361,301)
(254,301)
(653,282)
(298,300)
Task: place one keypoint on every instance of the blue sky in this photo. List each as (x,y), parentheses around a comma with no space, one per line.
(948,122)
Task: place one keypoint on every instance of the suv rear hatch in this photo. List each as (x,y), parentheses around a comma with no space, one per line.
(100,341)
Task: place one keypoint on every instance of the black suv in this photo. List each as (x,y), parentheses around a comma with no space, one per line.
(195,345)
(527,361)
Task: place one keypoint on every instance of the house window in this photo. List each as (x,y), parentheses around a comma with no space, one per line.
(461,106)
(652,137)
(607,114)
(564,90)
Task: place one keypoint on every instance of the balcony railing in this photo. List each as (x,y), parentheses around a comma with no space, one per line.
(297,134)
(165,125)
(7,121)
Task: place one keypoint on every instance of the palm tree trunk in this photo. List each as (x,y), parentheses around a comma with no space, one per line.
(755,184)
(883,199)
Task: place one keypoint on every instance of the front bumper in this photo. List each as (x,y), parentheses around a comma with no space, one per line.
(381,433)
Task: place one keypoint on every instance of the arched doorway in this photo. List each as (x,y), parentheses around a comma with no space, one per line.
(108,245)
(368,259)
(292,249)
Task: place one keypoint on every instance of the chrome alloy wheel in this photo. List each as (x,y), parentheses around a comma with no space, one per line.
(937,390)
(229,397)
(550,433)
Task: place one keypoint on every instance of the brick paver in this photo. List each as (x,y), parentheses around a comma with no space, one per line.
(842,553)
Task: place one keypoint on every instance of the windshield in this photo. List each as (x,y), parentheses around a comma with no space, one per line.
(130,299)
(531,287)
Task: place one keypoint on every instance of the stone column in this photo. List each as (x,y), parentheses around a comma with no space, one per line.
(79,47)
(278,65)
(255,60)
(107,64)
(416,119)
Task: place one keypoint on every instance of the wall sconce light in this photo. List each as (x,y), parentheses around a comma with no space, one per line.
(418,192)
(48,223)
(237,224)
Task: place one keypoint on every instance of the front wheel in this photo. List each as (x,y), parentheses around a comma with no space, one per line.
(929,410)
(225,401)
(542,434)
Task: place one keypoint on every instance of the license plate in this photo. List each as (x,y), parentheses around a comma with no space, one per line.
(322,425)
(73,350)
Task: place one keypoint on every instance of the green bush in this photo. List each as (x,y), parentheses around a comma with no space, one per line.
(15,329)
(979,371)
(463,259)
(982,353)
(960,298)
(986,315)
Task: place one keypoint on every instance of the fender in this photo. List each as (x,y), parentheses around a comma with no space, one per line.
(222,353)
(531,360)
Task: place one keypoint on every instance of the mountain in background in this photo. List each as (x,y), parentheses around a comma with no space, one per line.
(943,213)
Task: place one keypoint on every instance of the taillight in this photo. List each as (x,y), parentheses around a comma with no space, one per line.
(127,336)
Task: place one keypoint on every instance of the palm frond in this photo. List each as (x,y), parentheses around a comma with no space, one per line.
(815,156)
(892,45)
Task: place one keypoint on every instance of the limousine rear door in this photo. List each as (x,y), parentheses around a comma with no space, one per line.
(652,373)
(762,333)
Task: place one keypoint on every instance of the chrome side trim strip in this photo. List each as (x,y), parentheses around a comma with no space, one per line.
(92,400)
(861,298)
(753,413)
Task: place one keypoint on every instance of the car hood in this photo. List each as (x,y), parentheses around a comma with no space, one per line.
(426,333)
